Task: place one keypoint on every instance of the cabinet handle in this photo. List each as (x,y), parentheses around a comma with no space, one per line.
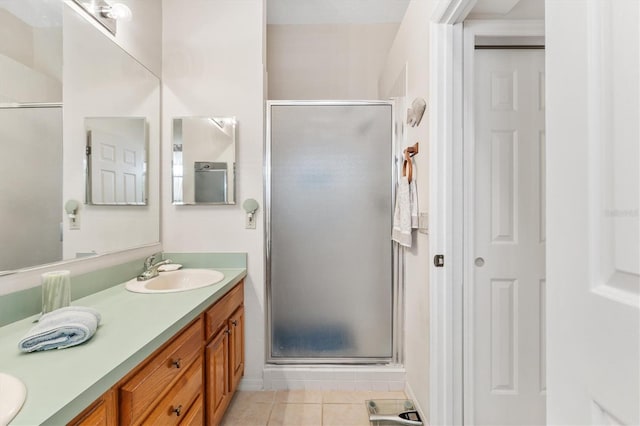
(228,331)
(234,322)
(177,363)
(177,410)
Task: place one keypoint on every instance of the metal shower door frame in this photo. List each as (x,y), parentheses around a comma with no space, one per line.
(397,256)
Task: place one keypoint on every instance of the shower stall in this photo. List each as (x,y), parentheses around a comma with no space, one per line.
(331,291)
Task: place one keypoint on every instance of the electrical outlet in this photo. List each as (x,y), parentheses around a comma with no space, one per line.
(250,222)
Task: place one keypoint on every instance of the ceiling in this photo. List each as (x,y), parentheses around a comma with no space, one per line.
(507,9)
(335,11)
(386,11)
(35,13)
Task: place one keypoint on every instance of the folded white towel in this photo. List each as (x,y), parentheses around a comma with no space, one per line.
(413,201)
(62,328)
(401,232)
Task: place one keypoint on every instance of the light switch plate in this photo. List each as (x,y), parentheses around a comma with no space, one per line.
(423,222)
(74,223)
(250,222)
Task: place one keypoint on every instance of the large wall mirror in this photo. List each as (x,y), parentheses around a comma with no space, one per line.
(45,108)
(204,159)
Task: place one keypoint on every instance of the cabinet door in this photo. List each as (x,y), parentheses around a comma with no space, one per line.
(217,380)
(236,348)
(100,413)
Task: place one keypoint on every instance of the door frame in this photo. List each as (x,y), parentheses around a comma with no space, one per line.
(397,306)
(452,144)
(472,30)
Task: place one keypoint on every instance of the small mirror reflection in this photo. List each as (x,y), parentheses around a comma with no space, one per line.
(204,155)
(116,160)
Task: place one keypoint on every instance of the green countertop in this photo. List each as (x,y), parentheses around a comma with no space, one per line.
(61,383)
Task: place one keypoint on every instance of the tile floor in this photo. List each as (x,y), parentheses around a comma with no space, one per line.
(302,408)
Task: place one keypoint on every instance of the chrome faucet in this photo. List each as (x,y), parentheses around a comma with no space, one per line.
(151,268)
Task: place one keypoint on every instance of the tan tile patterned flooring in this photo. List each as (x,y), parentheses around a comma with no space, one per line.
(302,408)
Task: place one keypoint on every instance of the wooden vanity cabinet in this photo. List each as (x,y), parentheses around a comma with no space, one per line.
(103,412)
(236,348)
(224,352)
(217,377)
(188,381)
(160,374)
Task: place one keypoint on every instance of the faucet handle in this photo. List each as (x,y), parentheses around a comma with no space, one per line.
(150,261)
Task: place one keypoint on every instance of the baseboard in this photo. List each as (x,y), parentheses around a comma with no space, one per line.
(352,378)
(251,384)
(412,396)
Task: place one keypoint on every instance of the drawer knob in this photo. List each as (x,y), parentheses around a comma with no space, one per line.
(227,331)
(177,410)
(177,363)
(235,323)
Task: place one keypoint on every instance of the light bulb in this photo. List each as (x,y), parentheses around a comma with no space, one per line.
(119,11)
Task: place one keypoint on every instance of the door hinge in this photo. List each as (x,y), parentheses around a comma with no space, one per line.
(438,260)
(88,150)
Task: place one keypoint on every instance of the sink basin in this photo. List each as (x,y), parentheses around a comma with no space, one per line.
(180,280)
(12,395)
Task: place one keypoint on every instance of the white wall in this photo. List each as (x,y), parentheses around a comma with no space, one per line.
(141,35)
(30,61)
(213,66)
(327,61)
(410,49)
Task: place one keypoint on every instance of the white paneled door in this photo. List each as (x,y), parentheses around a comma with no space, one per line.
(593,243)
(507,283)
(117,169)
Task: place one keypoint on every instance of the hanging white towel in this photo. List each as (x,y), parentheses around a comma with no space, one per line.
(413,201)
(401,232)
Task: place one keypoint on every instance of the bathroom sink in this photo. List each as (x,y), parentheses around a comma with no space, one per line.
(12,395)
(180,280)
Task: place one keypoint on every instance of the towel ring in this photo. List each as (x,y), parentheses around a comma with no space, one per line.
(408,163)
(407,167)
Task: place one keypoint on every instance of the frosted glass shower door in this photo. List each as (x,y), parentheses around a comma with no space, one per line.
(330,279)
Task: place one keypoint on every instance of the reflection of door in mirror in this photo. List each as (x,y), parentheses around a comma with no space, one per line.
(210,182)
(204,155)
(116,160)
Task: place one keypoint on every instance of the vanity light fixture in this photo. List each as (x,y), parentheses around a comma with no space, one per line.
(105,13)
(117,11)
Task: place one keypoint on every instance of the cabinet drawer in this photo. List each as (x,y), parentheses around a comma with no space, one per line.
(195,416)
(147,384)
(217,315)
(172,409)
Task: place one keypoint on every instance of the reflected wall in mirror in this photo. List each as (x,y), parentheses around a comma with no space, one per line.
(30,187)
(102,80)
(30,133)
(204,158)
(42,129)
(116,160)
